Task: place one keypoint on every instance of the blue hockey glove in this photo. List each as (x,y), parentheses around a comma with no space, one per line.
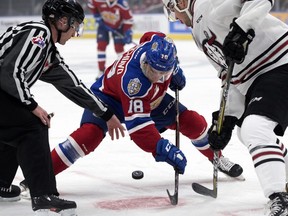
(235,45)
(99,19)
(169,153)
(128,37)
(219,141)
(101,22)
(178,80)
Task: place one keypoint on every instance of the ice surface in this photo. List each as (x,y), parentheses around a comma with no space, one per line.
(101,183)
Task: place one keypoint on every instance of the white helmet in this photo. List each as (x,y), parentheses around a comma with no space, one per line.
(168,8)
(171,5)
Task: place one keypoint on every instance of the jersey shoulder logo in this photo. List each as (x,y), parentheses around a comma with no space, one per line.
(39,41)
(213,49)
(255,99)
(134,86)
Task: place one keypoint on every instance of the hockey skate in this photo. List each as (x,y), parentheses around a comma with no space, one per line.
(229,168)
(278,204)
(45,204)
(10,194)
(25,192)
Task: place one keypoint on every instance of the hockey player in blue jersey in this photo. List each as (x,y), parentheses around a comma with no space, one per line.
(135,89)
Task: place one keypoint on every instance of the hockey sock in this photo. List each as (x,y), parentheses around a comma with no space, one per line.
(101,54)
(58,164)
(119,49)
(285,155)
(194,126)
(80,143)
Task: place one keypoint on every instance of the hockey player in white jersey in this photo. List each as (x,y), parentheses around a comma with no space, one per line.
(245,32)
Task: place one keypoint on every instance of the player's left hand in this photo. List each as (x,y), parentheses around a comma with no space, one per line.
(219,141)
(128,36)
(235,45)
(178,80)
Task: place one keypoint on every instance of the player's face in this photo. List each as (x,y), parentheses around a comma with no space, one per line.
(177,10)
(183,18)
(74,30)
(154,75)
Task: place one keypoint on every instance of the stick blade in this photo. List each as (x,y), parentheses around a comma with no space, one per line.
(203,190)
(173,198)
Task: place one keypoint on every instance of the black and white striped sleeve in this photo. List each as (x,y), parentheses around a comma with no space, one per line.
(22,60)
(70,86)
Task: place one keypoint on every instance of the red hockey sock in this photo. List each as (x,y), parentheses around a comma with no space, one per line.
(194,126)
(80,143)
(58,164)
(209,153)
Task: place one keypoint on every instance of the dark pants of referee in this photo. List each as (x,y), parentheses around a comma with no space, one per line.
(24,142)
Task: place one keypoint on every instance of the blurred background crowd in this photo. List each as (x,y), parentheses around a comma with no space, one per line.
(33,7)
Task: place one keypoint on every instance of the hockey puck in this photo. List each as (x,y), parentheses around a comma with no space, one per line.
(50,115)
(137,174)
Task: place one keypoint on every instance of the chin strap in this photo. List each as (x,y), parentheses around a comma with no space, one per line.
(189,10)
(59,33)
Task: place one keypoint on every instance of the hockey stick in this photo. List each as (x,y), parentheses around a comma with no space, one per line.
(121,35)
(200,188)
(174,198)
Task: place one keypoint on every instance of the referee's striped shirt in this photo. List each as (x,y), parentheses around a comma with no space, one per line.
(27,53)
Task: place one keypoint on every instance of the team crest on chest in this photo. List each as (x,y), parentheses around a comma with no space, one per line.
(134,86)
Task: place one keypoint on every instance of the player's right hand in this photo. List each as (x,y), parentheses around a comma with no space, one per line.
(42,115)
(115,126)
(166,151)
(235,45)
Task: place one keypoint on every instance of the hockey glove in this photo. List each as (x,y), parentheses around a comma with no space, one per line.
(99,19)
(235,45)
(166,151)
(178,80)
(128,36)
(101,23)
(219,141)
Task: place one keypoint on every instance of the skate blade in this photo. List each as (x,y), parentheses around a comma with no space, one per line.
(11,199)
(25,192)
(25,195)
(238,178)
(48,212)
